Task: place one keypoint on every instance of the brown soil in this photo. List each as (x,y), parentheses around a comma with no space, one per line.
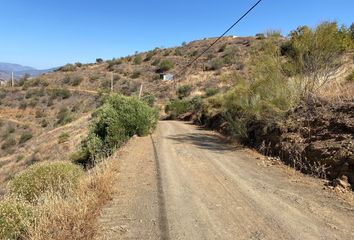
(316,136)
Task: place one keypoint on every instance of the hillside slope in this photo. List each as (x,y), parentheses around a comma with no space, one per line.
(35,107)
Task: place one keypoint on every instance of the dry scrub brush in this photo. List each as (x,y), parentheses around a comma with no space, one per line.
(74,217)
(55,215)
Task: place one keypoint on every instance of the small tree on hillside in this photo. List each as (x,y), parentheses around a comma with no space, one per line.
(316,54)
(166,65)
(138,60)
(352,31)
(184,91)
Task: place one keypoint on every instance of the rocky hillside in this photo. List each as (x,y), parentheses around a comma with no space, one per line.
(230,54)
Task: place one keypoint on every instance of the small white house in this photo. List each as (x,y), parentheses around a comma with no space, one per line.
(2,82)
(167,77)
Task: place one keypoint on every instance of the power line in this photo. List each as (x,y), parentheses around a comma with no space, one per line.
(218,39)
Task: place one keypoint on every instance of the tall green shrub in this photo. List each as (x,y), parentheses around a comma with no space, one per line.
(135,115)
(115,122)
(315,53)
(184,91)
(166,65)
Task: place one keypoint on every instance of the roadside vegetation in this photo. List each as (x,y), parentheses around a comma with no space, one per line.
(254,110)
(117,120)
(262,91)
(60,200)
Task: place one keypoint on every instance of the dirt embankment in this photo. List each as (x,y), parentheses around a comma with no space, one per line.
(316,138)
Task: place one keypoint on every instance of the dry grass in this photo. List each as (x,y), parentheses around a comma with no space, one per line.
(59,216)
(337,91)
(74,217)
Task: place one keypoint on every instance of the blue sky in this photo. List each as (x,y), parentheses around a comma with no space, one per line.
(46,33)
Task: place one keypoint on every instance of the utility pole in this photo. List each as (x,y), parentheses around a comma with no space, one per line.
(112,78)
(12,79)
(141,90)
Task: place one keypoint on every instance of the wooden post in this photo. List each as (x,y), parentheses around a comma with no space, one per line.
(12,79)
(112,78)
(141,90)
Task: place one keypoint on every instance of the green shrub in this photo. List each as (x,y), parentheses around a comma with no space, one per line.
(76,80)
(92,151)
(137,117)
(167,52)
(62,93)
(229,57)
(178,52)
(3,94)
(184,91)
(64,116)
(58,177)
(99,60)
(136,74)
(73,80)
(211,92)
(217,64)
(108,127)
(94,77)
(149,99)
(68,67)
(63,137)
(11,129)
(350,77)
(16,217)
(118,119)
(33,102)
(106,85)
(316,53)
(223,48)
(138,60)
(19,157)
(260,36)
(156,62)
(50,102)
(36,82)
(25,137)
(196,104)
(177,107)
(149,56)
(39,113)
(23,105)
(29,93)
(194,53)
(23,79)
(44,123)
(78,64)
(8,144)
(166,65)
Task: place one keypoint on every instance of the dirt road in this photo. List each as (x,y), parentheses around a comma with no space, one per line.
(189,184)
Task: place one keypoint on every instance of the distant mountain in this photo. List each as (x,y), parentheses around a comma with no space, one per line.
(7,68)
(4,75)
